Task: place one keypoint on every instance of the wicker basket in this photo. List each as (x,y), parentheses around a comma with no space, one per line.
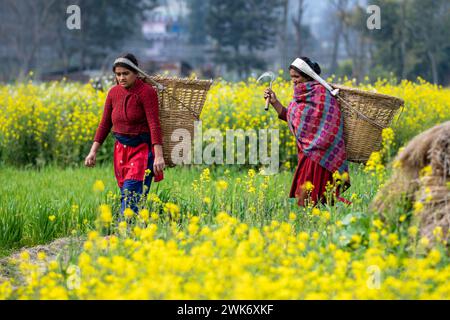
(366,114)
(180,105)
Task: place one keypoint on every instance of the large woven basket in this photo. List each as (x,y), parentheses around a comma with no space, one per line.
(365,114)
(180,105)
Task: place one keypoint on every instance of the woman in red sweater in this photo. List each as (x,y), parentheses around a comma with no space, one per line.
(315,120)
(131,112)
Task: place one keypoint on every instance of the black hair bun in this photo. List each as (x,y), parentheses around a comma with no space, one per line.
(316,68)
(131,57)
(314,65)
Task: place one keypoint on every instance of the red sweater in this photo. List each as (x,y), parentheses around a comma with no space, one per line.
(131,111)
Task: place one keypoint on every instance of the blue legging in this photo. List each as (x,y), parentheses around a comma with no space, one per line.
(132,190)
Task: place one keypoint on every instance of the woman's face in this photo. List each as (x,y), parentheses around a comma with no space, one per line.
(125,77)
(296,77)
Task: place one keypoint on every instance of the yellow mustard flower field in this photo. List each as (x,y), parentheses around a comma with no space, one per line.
(205,232)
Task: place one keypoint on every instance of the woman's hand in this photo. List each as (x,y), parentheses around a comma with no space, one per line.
(92,156)
(90,159)
(268,93)
(158,164)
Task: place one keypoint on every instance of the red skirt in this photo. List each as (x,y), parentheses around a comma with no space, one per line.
(130,163)
(309,170)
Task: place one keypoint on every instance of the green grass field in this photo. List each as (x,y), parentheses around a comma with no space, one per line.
(29,197)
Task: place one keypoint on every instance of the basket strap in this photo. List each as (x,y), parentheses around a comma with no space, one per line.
(401,112)
(162,89)
(362,115)
(196,116)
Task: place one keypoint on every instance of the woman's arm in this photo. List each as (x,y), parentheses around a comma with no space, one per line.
(106,123)
(281,110)
(151,108)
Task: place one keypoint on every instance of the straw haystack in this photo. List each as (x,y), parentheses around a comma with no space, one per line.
(428,191)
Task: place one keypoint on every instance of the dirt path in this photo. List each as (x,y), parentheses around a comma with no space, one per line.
(59,248)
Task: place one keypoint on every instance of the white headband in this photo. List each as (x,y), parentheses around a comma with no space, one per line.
(298,63)
(131,64)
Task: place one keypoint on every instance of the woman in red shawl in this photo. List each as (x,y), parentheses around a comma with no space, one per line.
(131,112)
(314,118)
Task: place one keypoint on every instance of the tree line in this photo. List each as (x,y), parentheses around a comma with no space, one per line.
(34,33)
(412,41)
(238,34)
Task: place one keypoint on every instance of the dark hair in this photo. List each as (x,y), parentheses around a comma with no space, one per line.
(314,65)
(130,57)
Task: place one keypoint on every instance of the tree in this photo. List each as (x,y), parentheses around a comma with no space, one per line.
(338,8)
(297,20)
(428,26)
(353,33)
(34,32)
(196,21)
(106,25)
(24,25)
(240,28)
(413,39)
(284,33)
